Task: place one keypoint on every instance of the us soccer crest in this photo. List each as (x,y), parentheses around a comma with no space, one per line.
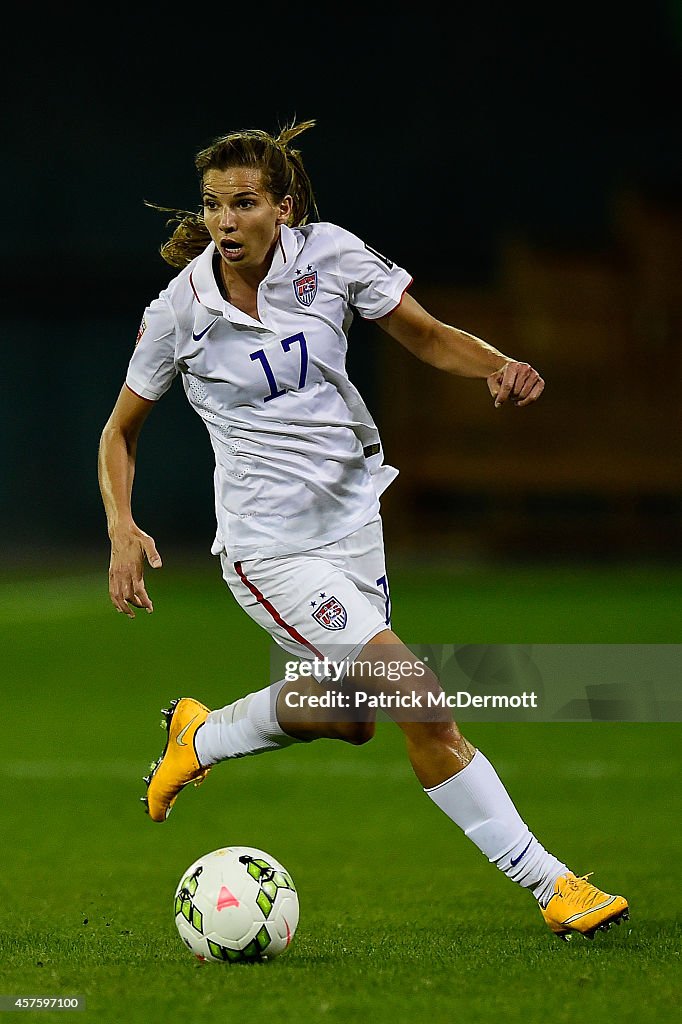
(305,287)
(331,614)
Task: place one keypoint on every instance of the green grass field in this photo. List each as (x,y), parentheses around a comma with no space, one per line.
(402,919)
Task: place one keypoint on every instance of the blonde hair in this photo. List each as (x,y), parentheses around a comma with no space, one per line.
(283,174)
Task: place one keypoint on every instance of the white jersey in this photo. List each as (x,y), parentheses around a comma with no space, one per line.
(298,457)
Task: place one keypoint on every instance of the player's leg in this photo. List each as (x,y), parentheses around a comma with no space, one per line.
(457,777)
(276,716)
(464,785)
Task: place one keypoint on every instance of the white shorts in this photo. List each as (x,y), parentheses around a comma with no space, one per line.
(324,603)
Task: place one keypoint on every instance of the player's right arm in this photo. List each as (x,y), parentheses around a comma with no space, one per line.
(116,468)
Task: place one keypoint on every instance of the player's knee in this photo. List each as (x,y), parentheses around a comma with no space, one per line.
(441,731)
(356,733)
(430,699)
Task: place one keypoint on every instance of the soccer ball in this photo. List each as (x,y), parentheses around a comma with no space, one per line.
(236,905)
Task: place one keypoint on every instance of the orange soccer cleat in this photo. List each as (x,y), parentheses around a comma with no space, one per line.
(178,764)
(578,906)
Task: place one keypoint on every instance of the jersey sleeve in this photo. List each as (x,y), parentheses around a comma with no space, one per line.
(375,283)
(152,368)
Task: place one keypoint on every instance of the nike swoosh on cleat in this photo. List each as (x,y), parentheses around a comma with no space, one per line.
(199,336)
(583,913)
(178,738)
(515,862)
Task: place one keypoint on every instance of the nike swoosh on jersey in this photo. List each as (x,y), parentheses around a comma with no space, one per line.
(198,337)
(179,739)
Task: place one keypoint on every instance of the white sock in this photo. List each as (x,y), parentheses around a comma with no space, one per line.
(248,726)
(476,800)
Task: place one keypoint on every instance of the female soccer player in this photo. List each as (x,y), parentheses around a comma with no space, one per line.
(256,322)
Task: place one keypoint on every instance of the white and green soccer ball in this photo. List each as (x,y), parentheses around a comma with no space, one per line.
(236,905)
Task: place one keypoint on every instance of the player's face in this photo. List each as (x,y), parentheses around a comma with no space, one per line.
(242,217)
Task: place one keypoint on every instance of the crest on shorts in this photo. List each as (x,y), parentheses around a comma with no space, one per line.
(331,614)
(305,287)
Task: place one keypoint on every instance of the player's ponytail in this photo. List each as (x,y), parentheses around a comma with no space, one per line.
(300,188)
(283,174)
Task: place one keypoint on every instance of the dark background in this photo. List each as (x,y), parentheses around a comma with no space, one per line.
(439,137)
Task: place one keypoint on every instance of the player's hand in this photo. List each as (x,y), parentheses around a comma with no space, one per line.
(126,570)
(517,383)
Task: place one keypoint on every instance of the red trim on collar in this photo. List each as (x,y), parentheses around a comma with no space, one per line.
(279,239)
(193,288)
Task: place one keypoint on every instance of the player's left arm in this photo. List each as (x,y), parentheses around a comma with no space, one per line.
(457,352)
